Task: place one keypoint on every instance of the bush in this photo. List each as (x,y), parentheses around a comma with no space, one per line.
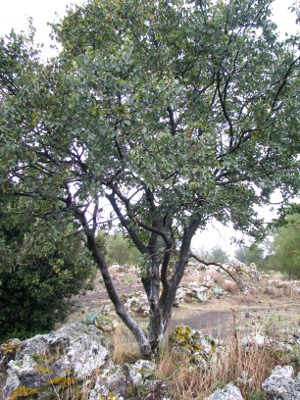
(40,269)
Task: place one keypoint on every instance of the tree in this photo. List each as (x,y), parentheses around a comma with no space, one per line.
(286,253)
(120,251)
(41,267)
(253,254)
(218,255)
(167,114)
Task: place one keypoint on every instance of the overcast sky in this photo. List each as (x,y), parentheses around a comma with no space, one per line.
(15,14)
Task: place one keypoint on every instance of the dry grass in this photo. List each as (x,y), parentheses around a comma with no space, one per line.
(194,277)
(124,347)
(231,287)
(246,369)
(282,291)
(217,277)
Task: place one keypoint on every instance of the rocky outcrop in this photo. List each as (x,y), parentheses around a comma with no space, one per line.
(246,277)
(281,385)
(189,292)
(102,320)
(74,359)
(132,382)
(202,349)
(47,363)
(136,302)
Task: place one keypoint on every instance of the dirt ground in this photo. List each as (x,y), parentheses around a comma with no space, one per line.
(275,315)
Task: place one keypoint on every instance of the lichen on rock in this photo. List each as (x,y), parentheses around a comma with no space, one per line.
(62,358)
(132,382)
(201,347)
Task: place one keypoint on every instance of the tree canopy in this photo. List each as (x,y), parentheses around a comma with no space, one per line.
(158,116)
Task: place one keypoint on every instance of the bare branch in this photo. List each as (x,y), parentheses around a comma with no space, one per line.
(192,255)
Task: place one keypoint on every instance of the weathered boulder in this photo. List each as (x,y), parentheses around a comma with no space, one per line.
(200,347)
(194,268)
(229,392)
(130,382)
(47,363)
(138,303)
(264,342)
(102,320)
(197,294)
(192,293)
(246,277)
(281,385)
(8,351)
(105,323)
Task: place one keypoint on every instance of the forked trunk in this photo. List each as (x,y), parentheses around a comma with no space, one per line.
(156,329)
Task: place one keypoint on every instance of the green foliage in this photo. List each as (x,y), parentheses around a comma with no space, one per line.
(253,254)
(257,395)
(118,249)
(204,136)
(42,264)
(286,252)
(217,254)
(157,116)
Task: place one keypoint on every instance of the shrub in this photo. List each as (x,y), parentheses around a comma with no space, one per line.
(40,269)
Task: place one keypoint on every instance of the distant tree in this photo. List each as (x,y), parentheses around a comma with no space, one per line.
(218,255)
(120,250)
(252,254)
(286,247)
(163,115)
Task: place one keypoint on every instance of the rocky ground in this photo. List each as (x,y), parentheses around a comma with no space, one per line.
(272,307)
(255,316)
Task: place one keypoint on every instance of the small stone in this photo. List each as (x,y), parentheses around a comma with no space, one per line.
(229,392)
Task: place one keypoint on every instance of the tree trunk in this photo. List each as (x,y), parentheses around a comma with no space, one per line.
(156,329)
(161,309)
(160,305)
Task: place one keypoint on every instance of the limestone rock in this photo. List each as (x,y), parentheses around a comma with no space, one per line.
(281,385)
(138,303)
(259,341)
(263,342)
(8,351)
(102,320)
(59,359)
(246,277)
(229,392)
(105,323)
(202,348)
(129,382)
(294,390)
